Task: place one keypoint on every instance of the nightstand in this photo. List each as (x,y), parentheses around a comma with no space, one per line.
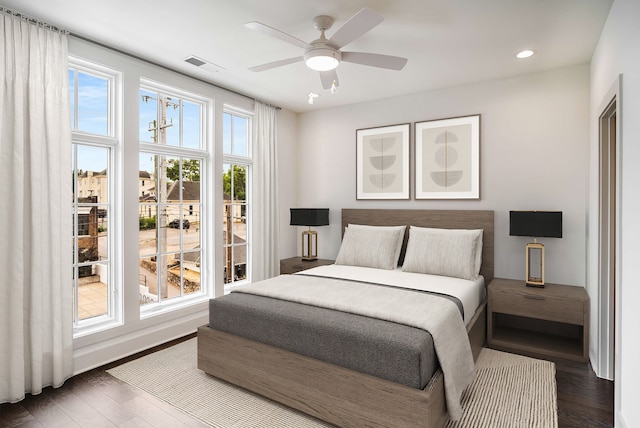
(541,322)
(296,264)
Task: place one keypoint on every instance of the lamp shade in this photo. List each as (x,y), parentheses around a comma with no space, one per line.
(309,216)
(537,224)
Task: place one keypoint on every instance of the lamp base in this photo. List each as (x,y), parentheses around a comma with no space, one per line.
(534,284)
(535,279)
(310,250)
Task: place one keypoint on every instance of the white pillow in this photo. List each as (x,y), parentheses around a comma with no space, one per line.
(447,252)
(371,246)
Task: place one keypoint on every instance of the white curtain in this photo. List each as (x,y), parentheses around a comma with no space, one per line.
(265,261)
(36,341)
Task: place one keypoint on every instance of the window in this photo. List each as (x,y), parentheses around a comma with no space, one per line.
(91,92)
(235,179)
(171,163)
(154,283)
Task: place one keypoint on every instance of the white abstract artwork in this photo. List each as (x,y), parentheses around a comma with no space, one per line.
(447,158)
(382,164)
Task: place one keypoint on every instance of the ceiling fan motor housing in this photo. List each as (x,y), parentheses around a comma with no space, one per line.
(322,22)
(319,55)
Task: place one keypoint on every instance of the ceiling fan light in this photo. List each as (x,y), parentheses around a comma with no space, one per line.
(322,59)
(322,63)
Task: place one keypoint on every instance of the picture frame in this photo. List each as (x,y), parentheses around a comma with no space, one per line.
(447,158)
(382,162)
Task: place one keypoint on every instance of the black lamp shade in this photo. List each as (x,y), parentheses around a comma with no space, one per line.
(309,216)
(537,224)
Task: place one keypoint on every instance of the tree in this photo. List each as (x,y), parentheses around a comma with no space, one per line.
(190,169)
(239,182)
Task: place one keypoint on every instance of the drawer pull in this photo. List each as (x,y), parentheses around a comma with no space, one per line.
(534,297)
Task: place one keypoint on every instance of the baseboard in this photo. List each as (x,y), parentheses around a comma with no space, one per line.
(107,351)
(595,363)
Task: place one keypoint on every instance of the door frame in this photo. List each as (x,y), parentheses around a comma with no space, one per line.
(609,237)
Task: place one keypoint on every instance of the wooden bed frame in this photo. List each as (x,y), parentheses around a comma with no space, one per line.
(340,396)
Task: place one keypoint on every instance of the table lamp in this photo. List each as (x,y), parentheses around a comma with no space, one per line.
(536,224)
(309,217)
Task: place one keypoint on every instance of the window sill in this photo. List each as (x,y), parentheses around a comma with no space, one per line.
(154,309)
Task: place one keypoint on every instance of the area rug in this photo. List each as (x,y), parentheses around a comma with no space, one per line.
(509,391)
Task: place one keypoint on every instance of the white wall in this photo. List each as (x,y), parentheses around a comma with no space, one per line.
(534,156)
(618,53)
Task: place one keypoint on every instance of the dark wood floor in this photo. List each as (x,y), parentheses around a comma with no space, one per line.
(584,400)
(97,399)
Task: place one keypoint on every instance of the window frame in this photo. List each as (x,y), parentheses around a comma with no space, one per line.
(204,156)
(246,161)
(135,333)
(110,142)
(114,78)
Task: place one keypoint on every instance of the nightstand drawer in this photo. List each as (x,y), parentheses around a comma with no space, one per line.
(532,305)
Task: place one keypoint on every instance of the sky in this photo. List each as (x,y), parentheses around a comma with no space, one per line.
(90,114)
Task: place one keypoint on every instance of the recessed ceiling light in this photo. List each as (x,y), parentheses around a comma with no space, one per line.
(525,54)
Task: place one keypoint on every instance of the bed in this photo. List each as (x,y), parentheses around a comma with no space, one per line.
(335,392)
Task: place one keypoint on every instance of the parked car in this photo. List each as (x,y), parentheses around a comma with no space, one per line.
(175,224)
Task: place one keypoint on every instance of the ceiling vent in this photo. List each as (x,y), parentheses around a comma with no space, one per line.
(204,64)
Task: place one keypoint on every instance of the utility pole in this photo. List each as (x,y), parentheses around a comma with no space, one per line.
(161,192)
(229,237)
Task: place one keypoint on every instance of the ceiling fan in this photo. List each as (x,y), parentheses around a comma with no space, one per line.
(324,55)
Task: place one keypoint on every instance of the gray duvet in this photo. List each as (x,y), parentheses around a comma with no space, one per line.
(384,349)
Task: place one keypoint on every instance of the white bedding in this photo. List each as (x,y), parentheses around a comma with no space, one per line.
(470,293)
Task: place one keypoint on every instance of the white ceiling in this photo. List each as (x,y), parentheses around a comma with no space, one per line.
(448,43)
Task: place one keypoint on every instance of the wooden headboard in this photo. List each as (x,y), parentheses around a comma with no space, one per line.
(444,219)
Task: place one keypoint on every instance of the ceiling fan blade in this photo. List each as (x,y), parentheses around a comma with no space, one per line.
(328,78)
(272,32)
(274,64)
(375,60)
(355,27)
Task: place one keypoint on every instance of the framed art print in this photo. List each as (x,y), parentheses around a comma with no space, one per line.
(382,162)
(447,158)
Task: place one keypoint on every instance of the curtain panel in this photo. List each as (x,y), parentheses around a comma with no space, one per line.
(35,209)
(265,258)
